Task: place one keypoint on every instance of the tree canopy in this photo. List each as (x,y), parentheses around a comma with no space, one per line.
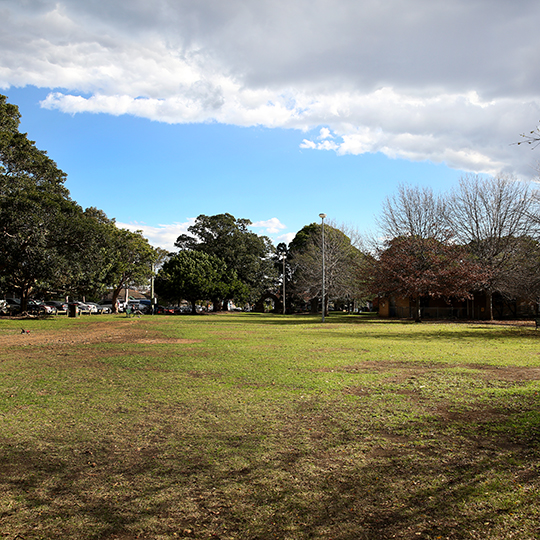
(195,276)
(243,251)
(342,263)
(34,209)
(491,216)
(415,267)
(48,243)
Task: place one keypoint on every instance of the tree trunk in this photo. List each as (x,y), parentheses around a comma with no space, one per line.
(25,294)
(489,305)
(193,307)
(418,315)
(114,300)
(314,302)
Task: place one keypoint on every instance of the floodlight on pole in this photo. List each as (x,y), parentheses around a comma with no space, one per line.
(322,216)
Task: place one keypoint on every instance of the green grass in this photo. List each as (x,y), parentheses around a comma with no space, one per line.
(246,426)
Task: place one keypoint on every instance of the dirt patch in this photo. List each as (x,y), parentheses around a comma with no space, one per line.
(115,331)
(165,341)
(507,373)
(410,370)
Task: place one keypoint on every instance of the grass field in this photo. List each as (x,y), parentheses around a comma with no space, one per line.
(258,427)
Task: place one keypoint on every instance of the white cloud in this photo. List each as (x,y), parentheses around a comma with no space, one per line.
(163,236)
(452,82)
(286,238)
(325,133)
(271,226)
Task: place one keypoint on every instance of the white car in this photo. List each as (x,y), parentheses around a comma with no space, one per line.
(94,308)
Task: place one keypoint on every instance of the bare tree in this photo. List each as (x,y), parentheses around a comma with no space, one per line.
(356,238)
(532,138)
(341,263)
(491,216)
(414,211)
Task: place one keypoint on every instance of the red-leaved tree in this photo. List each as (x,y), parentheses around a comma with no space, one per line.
(415,268)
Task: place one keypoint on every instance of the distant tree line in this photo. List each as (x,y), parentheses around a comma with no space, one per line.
(49,245)
(481,237)
(221,260)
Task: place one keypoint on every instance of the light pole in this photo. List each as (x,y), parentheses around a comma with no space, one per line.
(322,216)
(284,257)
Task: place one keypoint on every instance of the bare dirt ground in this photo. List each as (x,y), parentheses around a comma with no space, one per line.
(110,331)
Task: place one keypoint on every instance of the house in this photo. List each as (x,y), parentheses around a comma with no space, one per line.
(439,308)
(125,295)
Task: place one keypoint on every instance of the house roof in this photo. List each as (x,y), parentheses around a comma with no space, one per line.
(131,293)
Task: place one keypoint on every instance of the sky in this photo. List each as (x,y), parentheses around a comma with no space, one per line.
(271,110)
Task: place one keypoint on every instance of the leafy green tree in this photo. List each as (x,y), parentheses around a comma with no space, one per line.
(34,207)
(130,259)
(243,251)
(48,243)
(195,276)
(86,255)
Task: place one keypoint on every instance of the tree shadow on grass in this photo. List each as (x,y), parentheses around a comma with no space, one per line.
(448,475)
(398,327)
(308,318)
(480,333)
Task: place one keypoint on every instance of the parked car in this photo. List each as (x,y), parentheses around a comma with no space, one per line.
(57,306)
(165,310)
(38,307)
(81,307)
(104,308)
(100,308)
(13,305)
(133,304)
(107,305)
(121,305)
(145,305)
(93,307)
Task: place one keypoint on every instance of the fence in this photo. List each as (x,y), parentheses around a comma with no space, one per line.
(429,313)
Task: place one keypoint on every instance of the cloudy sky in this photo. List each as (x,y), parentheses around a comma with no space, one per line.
(272,110)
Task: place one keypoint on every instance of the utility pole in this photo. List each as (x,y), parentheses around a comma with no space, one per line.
(322,216)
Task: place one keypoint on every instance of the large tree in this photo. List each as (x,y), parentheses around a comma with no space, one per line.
(491,216)
(34,209)
(243,251)
(195,276)
(130,260)
(341,261)
(86,255)
(414,267)
(48,243)
(415,211)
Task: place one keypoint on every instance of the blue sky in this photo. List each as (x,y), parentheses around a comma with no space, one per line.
(273,112)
